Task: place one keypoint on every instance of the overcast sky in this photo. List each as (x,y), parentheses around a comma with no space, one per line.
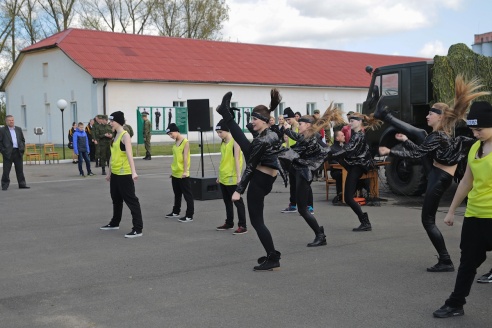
(422,28)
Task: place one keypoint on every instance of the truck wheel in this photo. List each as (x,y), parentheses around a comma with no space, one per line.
(405,177)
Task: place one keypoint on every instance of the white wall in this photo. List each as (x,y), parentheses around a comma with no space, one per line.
(40,94)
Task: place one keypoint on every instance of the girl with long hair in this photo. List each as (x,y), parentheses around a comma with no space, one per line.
(303,159)
(439,147)
(261,170)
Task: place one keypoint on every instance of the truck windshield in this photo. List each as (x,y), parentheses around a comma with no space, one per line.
(388,84)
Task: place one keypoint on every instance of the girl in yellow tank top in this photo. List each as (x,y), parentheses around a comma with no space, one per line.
(180,176)
(121,176)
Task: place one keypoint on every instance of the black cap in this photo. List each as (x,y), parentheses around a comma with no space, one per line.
(172,128)
(221,126)
(480,115)
(289,113)
(118,117)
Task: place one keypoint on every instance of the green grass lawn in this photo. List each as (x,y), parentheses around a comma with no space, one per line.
(157,149)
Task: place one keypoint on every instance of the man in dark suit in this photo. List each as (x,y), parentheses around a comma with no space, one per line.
(12,146)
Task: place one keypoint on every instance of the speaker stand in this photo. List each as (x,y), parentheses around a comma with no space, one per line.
(201,153)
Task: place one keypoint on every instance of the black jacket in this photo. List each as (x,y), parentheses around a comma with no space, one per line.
(306,156)
(355,152)
(6,144)
(439,146)
(264,151)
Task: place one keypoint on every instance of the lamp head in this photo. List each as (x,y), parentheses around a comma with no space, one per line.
(62,104)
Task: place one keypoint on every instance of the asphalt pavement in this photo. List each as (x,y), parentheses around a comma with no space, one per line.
(59,270)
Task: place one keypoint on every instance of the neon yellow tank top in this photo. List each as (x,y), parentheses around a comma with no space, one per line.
(227,168)
(480,197)
(177,167)
(292,142)
(119,160)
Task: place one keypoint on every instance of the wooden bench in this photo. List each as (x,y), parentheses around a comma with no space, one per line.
(372,175)
(328,180)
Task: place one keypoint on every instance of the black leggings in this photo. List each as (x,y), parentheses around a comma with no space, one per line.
(353,175)
(438,181)
(293,187)
(260,185)
(303,189)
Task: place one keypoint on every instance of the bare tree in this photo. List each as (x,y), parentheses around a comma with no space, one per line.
(199,19)
(101,15)
(59,13)
(9,11)
(30,23)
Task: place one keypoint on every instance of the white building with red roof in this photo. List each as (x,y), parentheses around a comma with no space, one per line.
(101,72)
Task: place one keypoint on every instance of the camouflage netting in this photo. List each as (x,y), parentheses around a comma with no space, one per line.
(460,59)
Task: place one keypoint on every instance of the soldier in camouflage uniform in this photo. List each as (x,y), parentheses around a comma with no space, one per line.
(95,138)
(128,128)
(146,135)
(105,134)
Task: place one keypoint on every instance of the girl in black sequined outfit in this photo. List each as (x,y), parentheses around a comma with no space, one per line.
(260,172)
(357,160)
(304,158)
(444,151)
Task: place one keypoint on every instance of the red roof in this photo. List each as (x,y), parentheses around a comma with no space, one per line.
(119,56)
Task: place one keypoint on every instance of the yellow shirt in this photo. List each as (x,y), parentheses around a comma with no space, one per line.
(177,167)
(480,196)
(119,160)
(227,168)
(292,142)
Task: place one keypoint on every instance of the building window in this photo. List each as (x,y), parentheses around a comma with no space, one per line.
(73,110)
(178,104)
(45,69)
(310,107)
(24,116)
(234,104)
(279,111)
(358,108)
(339,106)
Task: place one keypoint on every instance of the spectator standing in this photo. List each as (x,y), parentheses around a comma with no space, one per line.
(81,148)
(104,141)
(92,146)
(146,135)
(12,147)
(70,141)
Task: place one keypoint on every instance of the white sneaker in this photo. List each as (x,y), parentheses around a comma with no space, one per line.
(185,219)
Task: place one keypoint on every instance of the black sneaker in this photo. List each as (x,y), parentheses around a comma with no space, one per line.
(486,278)
(185,219)
(90,174)
(82,175)
(133,234)
(447,311)
(172,215)
(223,227)
(109,227)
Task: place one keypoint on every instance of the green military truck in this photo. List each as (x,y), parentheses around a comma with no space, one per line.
(410,89)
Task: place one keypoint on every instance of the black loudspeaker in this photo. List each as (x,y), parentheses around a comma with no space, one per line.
(199,115)
(205,188)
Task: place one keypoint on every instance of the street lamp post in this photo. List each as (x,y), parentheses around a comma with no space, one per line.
(62,104)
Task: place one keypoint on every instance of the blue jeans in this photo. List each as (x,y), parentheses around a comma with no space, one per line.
(85,156)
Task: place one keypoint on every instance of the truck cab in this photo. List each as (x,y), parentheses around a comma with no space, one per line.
(407,89)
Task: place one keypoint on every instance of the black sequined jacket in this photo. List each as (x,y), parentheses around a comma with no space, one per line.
(439,146)
(264,151)
(355,152)
(306,156)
